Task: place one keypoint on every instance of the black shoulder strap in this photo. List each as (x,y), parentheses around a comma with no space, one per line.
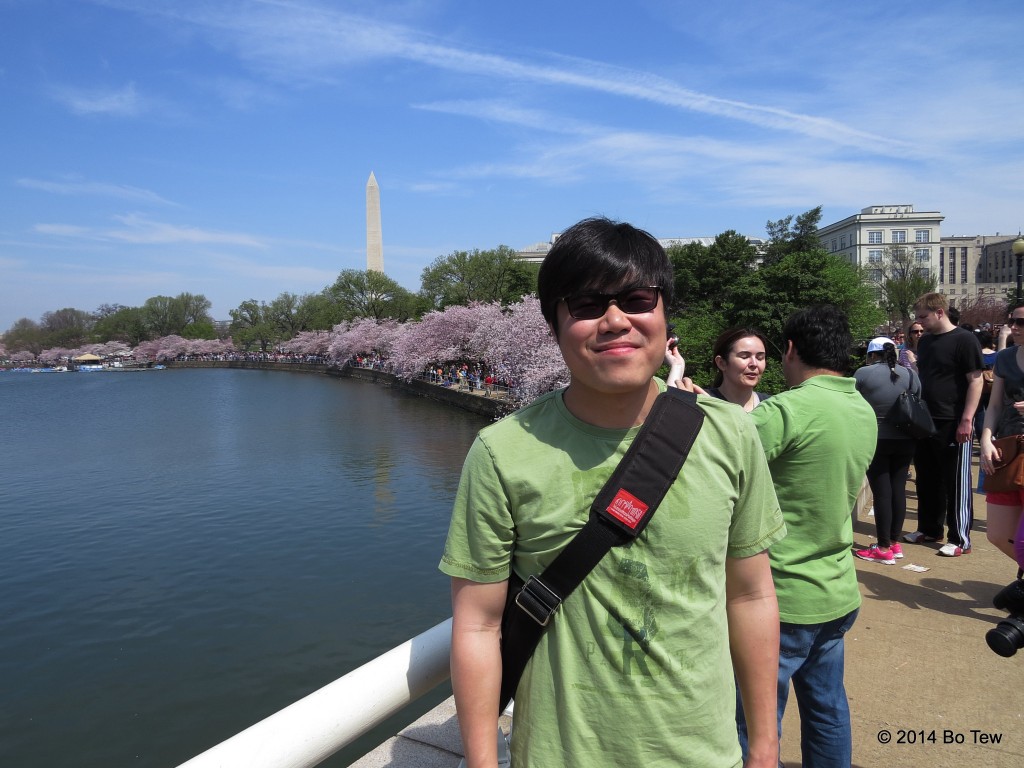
(621,511)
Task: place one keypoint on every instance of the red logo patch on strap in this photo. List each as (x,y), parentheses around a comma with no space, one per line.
(627,508)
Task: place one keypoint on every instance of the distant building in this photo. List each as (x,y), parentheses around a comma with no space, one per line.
(965,268)
(977,266)
(535,253)
(862,238)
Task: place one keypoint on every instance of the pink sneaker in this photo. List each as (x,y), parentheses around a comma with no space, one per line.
(897,550)
(876,555)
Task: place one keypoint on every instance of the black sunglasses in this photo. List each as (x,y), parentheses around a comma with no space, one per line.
(917,330)
(1018,321)
(632,301)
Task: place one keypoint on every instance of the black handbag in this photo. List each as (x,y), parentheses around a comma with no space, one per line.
(910,414)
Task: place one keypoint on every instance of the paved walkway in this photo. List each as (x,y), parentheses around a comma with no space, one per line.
(924,688)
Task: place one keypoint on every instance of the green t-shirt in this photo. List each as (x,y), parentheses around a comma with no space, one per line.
(635,668)
(819,438)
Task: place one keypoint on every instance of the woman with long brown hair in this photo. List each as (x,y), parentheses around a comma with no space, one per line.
(740,357)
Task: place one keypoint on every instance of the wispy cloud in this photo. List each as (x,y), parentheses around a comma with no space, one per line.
(563,150)
(117,102)
(303,40)
(503,111)
(140,230)
(76,188)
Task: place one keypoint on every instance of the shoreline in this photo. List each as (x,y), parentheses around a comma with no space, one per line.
(491,407)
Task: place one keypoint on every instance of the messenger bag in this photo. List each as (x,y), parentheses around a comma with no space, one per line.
(621,511)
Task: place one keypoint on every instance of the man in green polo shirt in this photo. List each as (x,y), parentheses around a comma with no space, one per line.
(818,437)
(639,663)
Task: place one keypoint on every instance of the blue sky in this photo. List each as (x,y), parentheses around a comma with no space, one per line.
(223,147)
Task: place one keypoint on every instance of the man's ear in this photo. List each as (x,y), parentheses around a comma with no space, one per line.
(790,353)
(553,330)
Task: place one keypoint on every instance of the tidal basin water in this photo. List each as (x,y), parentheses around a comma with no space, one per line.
(185,552)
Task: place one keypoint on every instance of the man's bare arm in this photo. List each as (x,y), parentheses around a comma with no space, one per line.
(476,666)
(966,425)
(753,613)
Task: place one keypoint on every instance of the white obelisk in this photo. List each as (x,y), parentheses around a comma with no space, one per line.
(374,246)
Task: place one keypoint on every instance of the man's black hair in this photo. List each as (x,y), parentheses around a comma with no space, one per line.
(604,256)
(821,335)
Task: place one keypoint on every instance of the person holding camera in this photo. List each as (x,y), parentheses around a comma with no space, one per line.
(1004,417)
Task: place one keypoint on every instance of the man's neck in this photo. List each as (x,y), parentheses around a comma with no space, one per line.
(610,411)
(802,374)
(945,326)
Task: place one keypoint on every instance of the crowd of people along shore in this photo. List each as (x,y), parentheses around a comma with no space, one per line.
(474,379)
(678,645)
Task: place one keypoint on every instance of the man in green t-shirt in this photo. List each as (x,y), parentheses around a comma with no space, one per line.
(819,437)
(639,665)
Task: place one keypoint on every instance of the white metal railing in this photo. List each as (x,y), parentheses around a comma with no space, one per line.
(312,729)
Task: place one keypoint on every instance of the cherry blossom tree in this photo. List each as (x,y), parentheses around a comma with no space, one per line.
(56,355)
(443,337)
(363,337)
(520,349)
(513,343)
(309,343)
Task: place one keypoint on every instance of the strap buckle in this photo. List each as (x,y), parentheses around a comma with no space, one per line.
(538,601)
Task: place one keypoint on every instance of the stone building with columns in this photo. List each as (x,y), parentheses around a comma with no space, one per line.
(965,267)
(862,238)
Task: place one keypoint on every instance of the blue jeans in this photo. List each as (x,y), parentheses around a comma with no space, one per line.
(811,656)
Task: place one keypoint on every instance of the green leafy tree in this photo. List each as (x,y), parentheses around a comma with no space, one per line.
(409,306)
(463,277)
(720,288)
(319,311)
(66,327)
(251,325)
(284,314)
(202,329)
(805,278)
(358,293)
(899,279)
(196,309)
(173,316)
(25,335)
(707,276)
(127,324)
(785,236)
(710,286)
(163,316)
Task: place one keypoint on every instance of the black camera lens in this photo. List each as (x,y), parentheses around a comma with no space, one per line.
(1007,637)
(1011,597)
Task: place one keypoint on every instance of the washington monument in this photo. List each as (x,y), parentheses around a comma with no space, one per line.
(374,247)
